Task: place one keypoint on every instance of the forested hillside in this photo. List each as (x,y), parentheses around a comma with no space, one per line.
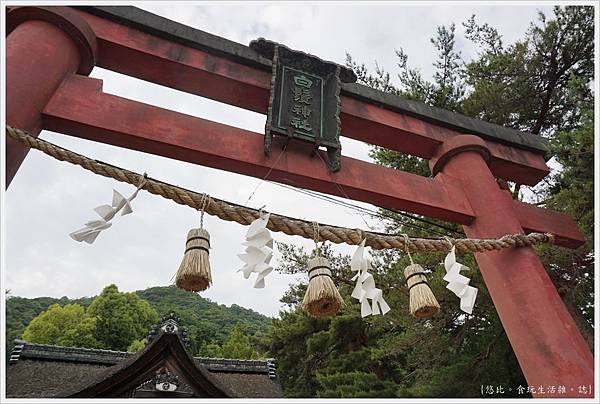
(20,311)
(542,84)
(207,322)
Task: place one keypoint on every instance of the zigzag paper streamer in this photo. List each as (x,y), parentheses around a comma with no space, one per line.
(93,228)
(458,283)
(365,285)
(119,203)
(91,231)
(258,254)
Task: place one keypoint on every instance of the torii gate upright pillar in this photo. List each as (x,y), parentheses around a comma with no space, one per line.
(44,45)
(540,329)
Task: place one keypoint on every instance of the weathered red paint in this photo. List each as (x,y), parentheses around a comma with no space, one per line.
(138,54)
(548,345)
(81,109)
(531,218)
(375,125)
(456,145)
(565,230)
(39,55)
(69,21)
(543,335)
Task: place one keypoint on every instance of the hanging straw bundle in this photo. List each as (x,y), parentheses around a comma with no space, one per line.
(194,272)
(322,298)
(422,301)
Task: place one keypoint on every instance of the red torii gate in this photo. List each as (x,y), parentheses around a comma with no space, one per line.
(51,50)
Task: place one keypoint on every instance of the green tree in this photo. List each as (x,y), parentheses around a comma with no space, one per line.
(20,311)
(237,346)
(571,190)
(526,85)
(539,84)
(137,345)
(207,322)
(67,326)
(120,317)
(83,334)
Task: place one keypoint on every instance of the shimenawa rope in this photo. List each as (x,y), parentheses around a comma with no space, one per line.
(279,223)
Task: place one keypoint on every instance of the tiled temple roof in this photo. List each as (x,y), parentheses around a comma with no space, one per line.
(43,371)
(23,349)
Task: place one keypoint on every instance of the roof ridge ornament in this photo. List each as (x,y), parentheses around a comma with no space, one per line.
(166,381)
(169,324)
(304,102)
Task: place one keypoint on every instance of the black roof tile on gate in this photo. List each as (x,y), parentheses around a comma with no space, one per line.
(180,33)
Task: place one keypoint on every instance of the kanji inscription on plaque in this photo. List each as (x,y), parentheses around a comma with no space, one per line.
(304,102)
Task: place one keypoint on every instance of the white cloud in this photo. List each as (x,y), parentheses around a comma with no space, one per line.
(48,199)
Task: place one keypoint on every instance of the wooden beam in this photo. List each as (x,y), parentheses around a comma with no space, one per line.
(382,127)
(535,219)
(80,108)
(186,35)
(138,54)
(540,329)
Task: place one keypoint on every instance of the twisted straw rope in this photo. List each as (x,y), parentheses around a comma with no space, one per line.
(278,223)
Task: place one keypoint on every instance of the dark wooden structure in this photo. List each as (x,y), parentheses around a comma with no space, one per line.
(51,50)
(163,369)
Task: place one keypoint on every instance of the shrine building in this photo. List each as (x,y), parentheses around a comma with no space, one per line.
(309,103)
(165,368)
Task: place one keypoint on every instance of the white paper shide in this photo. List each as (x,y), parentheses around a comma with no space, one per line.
(365,285)
(259,251)
(92,229)
(458,283)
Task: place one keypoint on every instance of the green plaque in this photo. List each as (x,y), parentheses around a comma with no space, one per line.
(305,99)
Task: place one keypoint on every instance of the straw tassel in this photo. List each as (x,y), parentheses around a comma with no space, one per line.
(422,300)
(194,272)
(322,298)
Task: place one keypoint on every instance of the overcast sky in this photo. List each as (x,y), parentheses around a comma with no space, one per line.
(49,199)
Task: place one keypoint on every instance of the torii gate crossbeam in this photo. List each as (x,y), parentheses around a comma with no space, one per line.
(50,51)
